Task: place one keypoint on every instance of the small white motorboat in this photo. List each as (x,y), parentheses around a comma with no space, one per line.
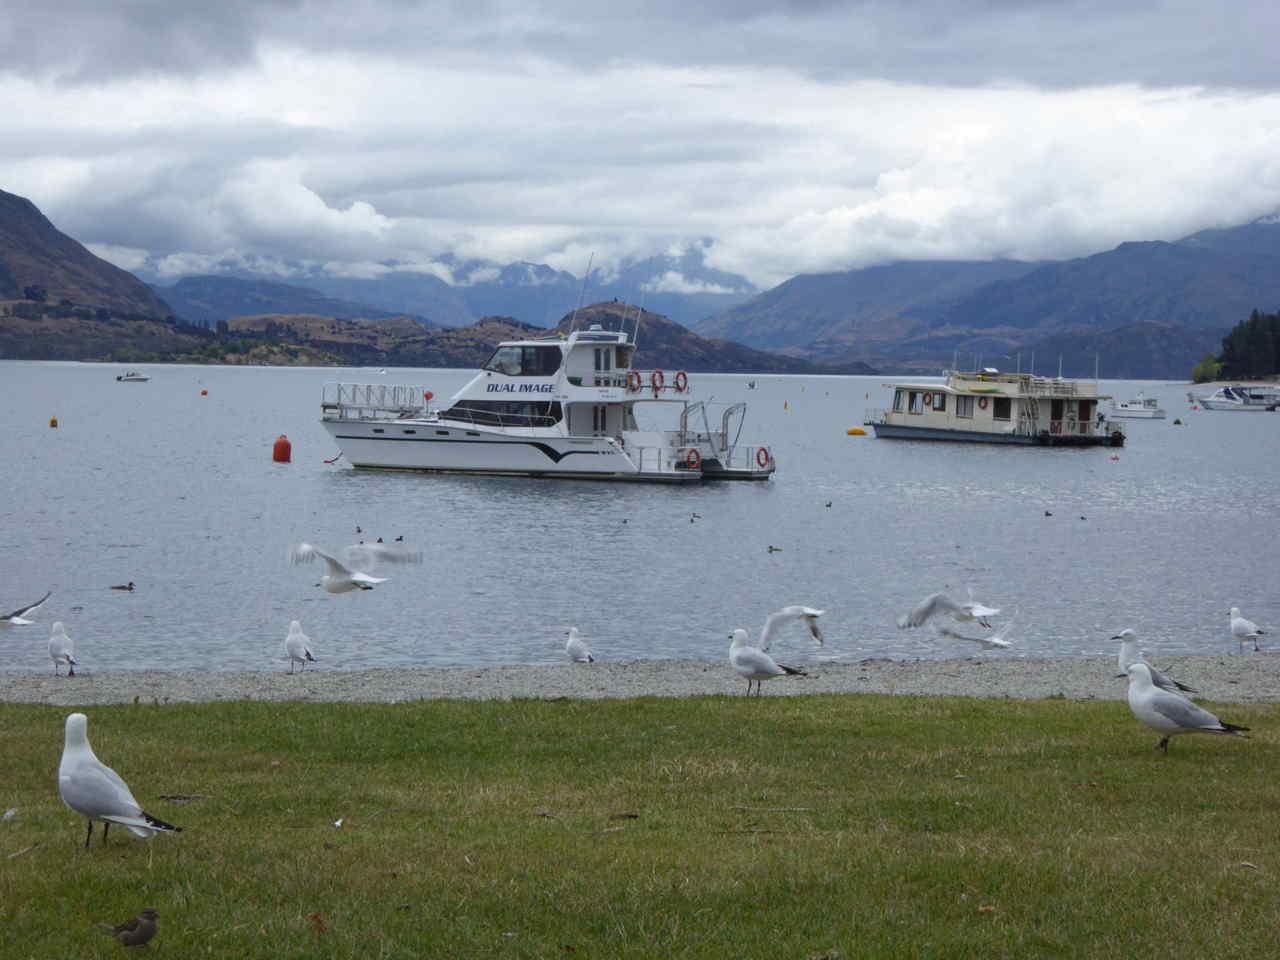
(1139,408)
(1240,398)
(133,376)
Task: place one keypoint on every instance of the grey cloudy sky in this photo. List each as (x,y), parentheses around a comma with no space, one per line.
(797,136)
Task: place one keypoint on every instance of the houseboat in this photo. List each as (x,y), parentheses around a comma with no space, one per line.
(993,407)
(560,406)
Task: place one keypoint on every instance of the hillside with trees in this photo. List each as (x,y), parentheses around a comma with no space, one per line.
(1251,349)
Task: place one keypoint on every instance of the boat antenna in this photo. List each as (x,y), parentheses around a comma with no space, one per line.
(1059,366)
(635,334)
(583,292)
(1095,368)
(1019,363)
(1033,363)
(955,359)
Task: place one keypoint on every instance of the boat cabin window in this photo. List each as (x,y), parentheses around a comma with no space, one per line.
(964,407)
(507,413)
(1002,408)
(604,358)
(916,402)
(939,400)
(525,361)
(899,400)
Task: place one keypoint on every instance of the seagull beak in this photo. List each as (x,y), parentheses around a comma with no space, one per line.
(1122,676)
(1117,637)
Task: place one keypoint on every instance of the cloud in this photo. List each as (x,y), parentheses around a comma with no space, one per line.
(674,282)
(783,137)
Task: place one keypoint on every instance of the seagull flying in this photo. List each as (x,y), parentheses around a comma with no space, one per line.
(95,791)
(937,604)
(1169,714)
(576,649)
(61,649)
(1130,654)
(296,646)
(786,615)
(351,572)
(1243,629)
(17,618)
(997,641)
(753,664)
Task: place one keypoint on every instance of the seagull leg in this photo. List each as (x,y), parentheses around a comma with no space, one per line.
(1164,745)
(88,835)
(71,670)
(106,825)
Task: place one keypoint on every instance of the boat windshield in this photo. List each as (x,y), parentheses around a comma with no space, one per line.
(525,361)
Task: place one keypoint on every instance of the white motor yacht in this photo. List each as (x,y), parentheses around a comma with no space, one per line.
(132,377)
(560,406)
(1239,398)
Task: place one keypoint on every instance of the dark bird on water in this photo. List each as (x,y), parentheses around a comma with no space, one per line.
(123,586)
(136,931)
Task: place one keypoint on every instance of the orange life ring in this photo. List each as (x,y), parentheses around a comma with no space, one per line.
(693,459)
(656,380)
(682,382)
(928,399)
(982,403)
(633,381)
(762,457)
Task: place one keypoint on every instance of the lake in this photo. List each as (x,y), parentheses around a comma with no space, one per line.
(157,484)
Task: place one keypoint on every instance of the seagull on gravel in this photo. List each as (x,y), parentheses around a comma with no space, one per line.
(95,791)
(296,646)
(61,649)
(997,641)
(18,617)
(351,572)
(776,619)
(1130,654)
(576,649)
(1243,630)
(939,603)
(1169,713)
(753,664)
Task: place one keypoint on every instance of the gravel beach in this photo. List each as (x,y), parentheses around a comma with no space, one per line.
(1252,678)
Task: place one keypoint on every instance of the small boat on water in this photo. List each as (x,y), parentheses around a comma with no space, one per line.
(1139,408)
(1239,398)
(993,407)
(558,406)
(132,377)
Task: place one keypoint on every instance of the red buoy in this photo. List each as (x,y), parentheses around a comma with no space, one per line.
(204,393)
(282,450)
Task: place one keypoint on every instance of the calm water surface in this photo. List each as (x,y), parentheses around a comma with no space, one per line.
(177,492)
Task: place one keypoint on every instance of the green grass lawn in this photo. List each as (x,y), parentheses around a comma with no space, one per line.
(710,827)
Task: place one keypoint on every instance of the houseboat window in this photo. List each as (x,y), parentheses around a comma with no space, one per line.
(899,399)
(525,361)
(916,402)
(604,358)
(1001,408)
(939,401)
(964,407)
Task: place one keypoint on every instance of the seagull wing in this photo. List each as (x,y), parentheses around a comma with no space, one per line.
(365,556)
(1187,715)
(930,606)
(775,620)
(305,552)
(95,790)
(17,615)
(1166,682)
(753,663)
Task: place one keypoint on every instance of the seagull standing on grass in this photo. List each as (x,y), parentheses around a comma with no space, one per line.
(351,572)
(1243,630)
(753,664)
(296,646)
(779,617)
(96,792)
(576,649)
(61,649)
(18,617)
(937,604)
(1168,713)
(1130,654)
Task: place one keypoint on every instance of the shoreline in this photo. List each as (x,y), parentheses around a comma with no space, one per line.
(1252,678)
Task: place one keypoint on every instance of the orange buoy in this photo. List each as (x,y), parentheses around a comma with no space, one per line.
(282,450)
(53,423)
(204,393)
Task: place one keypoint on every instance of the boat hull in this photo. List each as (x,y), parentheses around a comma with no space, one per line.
(1044,439)
(444,447)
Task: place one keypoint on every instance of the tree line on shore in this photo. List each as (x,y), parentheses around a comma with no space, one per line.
(1250,350)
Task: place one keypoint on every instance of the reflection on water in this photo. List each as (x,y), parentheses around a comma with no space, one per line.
(156,484)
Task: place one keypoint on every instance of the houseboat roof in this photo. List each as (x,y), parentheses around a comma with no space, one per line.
(990,382)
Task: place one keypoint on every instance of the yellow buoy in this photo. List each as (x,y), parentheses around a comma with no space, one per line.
(786,405)
(856,432)
(53,423)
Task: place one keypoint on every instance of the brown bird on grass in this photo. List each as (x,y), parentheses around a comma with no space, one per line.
(135,931)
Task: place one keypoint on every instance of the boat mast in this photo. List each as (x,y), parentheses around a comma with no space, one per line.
(583,292)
